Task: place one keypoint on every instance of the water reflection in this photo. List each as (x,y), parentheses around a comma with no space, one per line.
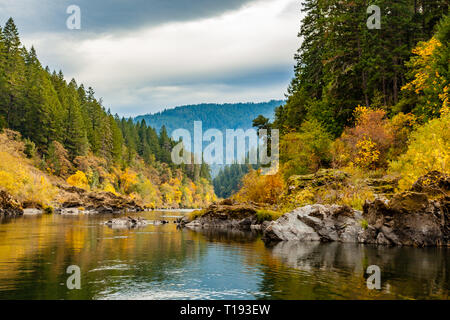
(338,271)
(162,262)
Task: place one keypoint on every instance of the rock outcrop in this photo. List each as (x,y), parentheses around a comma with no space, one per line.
(434,183)
(226,214)
(9,207)
(411,218)
(130,222)
(383,187)
(127,222)
(316,223)
(99,202)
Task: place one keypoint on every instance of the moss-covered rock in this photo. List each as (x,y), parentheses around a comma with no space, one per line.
(384,186)
(320,178)
(434,183)
(227,214)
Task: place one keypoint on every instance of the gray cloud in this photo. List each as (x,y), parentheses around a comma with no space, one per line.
(100,16)
(226,51)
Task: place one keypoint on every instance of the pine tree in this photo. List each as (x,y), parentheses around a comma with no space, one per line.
(15,77)
(3,83)
(165,146)
(117,139)
(75,141)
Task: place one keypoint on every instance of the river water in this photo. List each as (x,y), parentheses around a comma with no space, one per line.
(163,262)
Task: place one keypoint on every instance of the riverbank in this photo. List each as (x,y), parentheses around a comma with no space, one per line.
(74,201)
(161,261)
(418,217)
(52,181)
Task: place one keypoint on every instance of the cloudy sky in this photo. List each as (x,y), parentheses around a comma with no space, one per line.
(142,56)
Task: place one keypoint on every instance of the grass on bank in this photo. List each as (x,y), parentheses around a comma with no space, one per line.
(267,215)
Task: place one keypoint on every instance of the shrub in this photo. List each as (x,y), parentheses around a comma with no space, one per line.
(148,193)
(401,126)
(109,188)
(24,182)
(305,151)
(260,188)
(78,180)
(267,215)
(428,150)
(30,148)
(58,160)
(364,224)
(128,180)
(367,143)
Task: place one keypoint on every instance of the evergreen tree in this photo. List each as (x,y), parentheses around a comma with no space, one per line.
(341,63)
(14,69)
(75,141)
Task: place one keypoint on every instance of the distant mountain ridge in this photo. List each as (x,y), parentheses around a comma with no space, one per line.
(218,116)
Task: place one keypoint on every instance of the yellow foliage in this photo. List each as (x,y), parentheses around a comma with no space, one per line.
(149,193)
(422,63)
(78,180)
(367,154)
(128,179)
(431,87)
(428,150)
(260,188)
(109,188)
(24,182)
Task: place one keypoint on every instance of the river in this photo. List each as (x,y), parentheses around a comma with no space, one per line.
(163,262)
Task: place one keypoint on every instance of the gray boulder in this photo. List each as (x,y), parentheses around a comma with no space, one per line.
(316,223)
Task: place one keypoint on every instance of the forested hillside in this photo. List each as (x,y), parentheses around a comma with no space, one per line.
(341,63)
(68,133)
(218,116)
(366,104)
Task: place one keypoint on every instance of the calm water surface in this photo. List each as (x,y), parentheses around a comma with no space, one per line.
(163,262)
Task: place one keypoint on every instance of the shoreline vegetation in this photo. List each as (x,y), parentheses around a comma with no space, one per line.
(364,140)
(417,217)
(364,135)
(59,144)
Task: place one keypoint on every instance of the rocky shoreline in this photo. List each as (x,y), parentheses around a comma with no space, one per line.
(412,218)
(418,217)
(74,201)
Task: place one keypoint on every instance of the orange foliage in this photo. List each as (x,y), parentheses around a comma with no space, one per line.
(367,143)
(260,188)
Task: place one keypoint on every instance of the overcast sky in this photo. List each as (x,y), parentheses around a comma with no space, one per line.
(142,56)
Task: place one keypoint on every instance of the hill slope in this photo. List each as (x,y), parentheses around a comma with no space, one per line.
(218,116)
